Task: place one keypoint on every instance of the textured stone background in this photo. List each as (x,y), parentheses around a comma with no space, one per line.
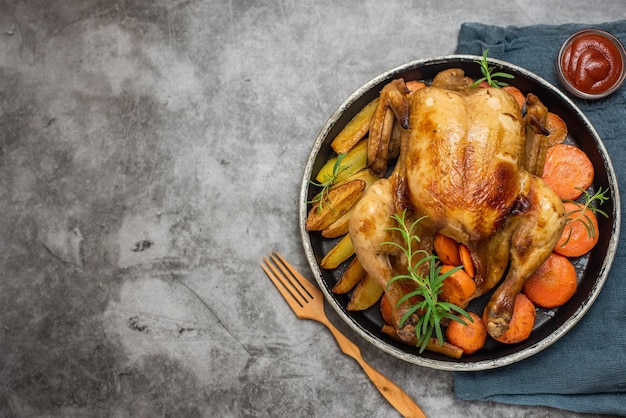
(151,153)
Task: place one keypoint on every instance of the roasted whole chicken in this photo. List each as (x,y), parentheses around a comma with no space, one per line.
(469,160)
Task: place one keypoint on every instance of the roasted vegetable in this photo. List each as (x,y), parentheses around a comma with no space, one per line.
(350,277)
(355,130)
(337,202)
(366,293)
(338,254)
(351,163)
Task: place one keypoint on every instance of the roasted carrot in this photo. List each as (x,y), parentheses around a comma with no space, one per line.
(457,288)
(385,310)
(515,92)
(557,128)
(580,234)
(553,283)
(447,250)
(470,337)
(415,85)
(567,170)
(466,260)
(522,321)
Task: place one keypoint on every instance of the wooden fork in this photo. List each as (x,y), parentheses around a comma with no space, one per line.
(308,302)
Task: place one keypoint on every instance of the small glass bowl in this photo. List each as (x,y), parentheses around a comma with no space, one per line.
(569,86)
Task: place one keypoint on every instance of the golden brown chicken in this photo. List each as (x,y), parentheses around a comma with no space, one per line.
(462,164)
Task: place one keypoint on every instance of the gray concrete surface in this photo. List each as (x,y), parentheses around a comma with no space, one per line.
(151,153)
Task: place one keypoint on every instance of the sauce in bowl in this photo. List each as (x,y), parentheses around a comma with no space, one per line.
(592,64)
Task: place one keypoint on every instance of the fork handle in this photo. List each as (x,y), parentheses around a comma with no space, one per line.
(392,392)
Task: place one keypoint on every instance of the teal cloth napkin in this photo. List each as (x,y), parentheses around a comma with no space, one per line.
(585,371)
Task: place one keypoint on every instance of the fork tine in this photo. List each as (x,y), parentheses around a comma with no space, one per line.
(297,280)
(307,286)
(283,285)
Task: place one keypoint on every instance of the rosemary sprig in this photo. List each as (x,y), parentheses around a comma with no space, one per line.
(600,197)
(489,75)
(430,310)
(328,182)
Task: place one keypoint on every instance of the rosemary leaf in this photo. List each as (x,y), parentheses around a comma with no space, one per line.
(429,309)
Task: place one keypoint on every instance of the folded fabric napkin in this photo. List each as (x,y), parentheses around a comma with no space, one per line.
(584,371)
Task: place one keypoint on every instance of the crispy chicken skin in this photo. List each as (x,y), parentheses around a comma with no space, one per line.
(462,164)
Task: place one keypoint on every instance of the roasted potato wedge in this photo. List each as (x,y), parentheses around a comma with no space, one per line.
(336,203)
(366,293)
(354,161)
(355,130)
(363,174)
(338,254)
(340,226)
(353,274)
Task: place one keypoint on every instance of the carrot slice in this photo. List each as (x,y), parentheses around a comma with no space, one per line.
(557,128)
(519,96)
(457,288)
(447,250)
(581,232)
(385,310)
(553,284)
(567,169)
(466,260)
(415,85)
(470,337)
(522,321)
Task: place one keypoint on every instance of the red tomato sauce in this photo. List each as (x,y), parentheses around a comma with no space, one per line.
(592,63)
